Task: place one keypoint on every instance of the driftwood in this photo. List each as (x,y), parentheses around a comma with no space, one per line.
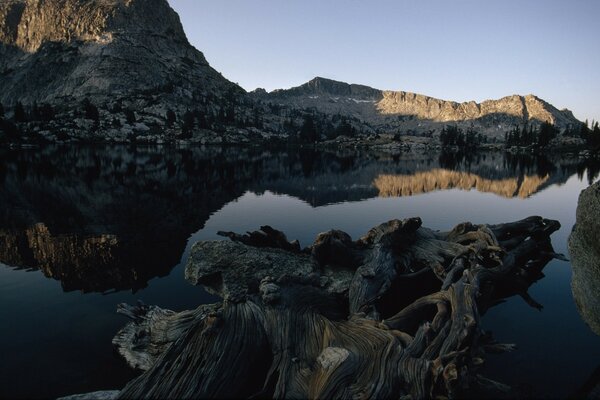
(395,313)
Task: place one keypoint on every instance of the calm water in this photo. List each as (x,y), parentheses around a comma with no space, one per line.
(85,228)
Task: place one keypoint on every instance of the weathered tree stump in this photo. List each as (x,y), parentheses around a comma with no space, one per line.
(340,319)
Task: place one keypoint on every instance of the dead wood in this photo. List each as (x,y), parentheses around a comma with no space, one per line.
(313,323)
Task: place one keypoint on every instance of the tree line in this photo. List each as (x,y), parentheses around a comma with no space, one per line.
(542,135)
(300,126)
(452,135)
(591,135)
(537,136)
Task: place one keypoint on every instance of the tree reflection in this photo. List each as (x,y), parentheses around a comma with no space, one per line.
(150,199)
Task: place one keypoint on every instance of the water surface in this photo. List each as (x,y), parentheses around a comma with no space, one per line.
(85,228)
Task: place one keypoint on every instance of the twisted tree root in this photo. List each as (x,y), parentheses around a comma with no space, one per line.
(312,323)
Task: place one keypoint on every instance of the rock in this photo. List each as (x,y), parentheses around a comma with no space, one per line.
(233,270)
(58,50)
(141,127)
(584,247)
(398,110)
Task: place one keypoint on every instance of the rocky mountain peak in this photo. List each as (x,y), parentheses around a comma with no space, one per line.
(329,87)
(63,50)
(399,110)
(28,24)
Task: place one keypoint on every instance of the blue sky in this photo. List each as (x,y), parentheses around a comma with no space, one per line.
(455,50)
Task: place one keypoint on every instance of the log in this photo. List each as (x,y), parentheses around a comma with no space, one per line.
(312,323)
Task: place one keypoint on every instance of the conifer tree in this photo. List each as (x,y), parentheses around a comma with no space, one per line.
(20,114)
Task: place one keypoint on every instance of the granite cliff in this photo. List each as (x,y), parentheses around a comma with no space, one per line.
(107,68)
(65,50)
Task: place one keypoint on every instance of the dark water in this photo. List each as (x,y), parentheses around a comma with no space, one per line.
(85,228)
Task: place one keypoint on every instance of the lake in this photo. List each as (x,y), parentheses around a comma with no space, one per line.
(83,228)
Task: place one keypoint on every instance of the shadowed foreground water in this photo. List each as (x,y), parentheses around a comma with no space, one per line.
(85,228)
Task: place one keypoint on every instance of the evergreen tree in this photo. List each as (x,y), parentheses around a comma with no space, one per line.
(11,131)
(221,115)
(593,137)
(472,138)
(460,139)
(20,115)
(46,112)
(117,107)
(171,117)
(308,131)
(343,129)
(584,130)
(203,122)
(257,119)
(547,132)
(91,111)
(230,114)
(130,116)
(188,125)
(1,111)
(35,113)
(289,126)
(526,137)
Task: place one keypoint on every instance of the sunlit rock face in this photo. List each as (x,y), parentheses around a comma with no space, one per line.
(411,112)
(520,108)
(58,51)
(79,262)
(584,247)
(441,179)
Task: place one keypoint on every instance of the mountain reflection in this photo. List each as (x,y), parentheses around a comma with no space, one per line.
(79,262)
(114,217)
(442,179)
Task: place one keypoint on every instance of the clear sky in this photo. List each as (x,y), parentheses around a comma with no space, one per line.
(450,49)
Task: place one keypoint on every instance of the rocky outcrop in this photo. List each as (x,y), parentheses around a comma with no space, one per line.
(520,109)
(584,247)
(65,50)
(116,70)
(405,111)
(328,87)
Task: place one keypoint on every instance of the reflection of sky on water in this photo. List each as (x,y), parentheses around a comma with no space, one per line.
(439,210)
(68,335)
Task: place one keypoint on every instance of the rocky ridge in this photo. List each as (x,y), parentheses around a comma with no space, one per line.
(123,70)
(66,50)
(401,111)
(128,61)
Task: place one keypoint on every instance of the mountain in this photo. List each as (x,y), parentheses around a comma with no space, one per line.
(62,51)
(123,71)
(105,69)
(387,110)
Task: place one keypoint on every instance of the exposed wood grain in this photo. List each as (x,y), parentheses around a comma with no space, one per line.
(307,323)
